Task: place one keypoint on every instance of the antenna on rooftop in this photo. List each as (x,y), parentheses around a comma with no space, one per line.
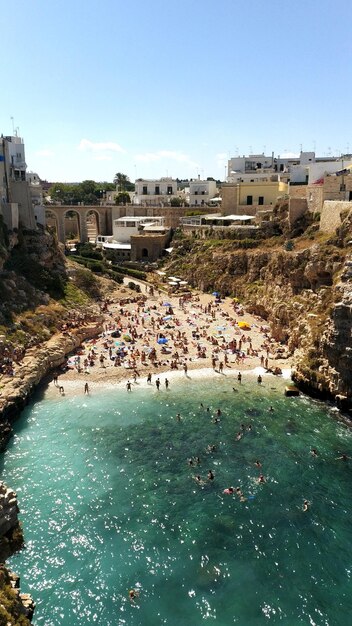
(13,125)
(301,147)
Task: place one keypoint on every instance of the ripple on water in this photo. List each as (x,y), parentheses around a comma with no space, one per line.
(108,503)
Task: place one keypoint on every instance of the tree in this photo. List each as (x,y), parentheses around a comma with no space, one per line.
(123,198)
(120,181)
(176,201)
(123,182)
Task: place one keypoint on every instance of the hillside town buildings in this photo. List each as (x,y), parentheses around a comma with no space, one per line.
(142,228)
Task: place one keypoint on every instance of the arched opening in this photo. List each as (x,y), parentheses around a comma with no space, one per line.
(92,225)
(145,253)
(72,227)
(51,222)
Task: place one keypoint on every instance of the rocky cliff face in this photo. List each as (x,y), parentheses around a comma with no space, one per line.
(32,268)
(305,293)
(13,605)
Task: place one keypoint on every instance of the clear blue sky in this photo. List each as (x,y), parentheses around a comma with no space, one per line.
(173,87)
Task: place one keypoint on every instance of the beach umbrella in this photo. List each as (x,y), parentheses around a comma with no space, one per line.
(178,280)
(167,304)
(161,273)
(162,340)
(167,317)
(183,282)
(244,325)
(173,282)
(215,293)
(127,338)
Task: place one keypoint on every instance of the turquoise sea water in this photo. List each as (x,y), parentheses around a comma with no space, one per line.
(108,503)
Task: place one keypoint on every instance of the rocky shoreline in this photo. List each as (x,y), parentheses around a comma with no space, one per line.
(37,363)
(35,366)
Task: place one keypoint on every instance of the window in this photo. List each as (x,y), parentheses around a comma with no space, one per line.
(157,190)
(261,200)
(145,190)
(169,190)
(249,200)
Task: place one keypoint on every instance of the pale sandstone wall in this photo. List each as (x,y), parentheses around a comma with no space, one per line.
(331,215)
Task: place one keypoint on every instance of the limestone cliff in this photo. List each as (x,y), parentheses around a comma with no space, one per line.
(304,290)
(15,608)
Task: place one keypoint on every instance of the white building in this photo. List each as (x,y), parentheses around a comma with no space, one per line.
(16,203)
(155,192)
(201,192)
(124,227)
(36,193)
(303,169)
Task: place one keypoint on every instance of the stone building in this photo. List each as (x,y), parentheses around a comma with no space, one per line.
(15,198)
(251,198)
(154,192)
(201,192)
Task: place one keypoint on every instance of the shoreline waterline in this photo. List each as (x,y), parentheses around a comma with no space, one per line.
(193,374)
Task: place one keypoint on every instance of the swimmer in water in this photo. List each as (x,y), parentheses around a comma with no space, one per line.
(305,506)
(270,408)
(239,436)
(133,594)
(314,452)
(229,491)
(178,417)
(261,479)
(210,475)
(257,463)
(343,457)
(198,480)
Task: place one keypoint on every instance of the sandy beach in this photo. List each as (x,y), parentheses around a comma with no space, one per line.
(168,337)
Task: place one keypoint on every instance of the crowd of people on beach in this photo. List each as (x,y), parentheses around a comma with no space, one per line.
(140,333)
(10,355)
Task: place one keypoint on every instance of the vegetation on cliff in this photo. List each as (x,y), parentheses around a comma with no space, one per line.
(12,611)
(39,289)
(295,278)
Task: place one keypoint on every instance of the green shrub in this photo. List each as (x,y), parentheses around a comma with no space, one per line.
(134,286)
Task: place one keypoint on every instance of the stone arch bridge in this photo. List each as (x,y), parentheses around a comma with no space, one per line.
(101,216)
